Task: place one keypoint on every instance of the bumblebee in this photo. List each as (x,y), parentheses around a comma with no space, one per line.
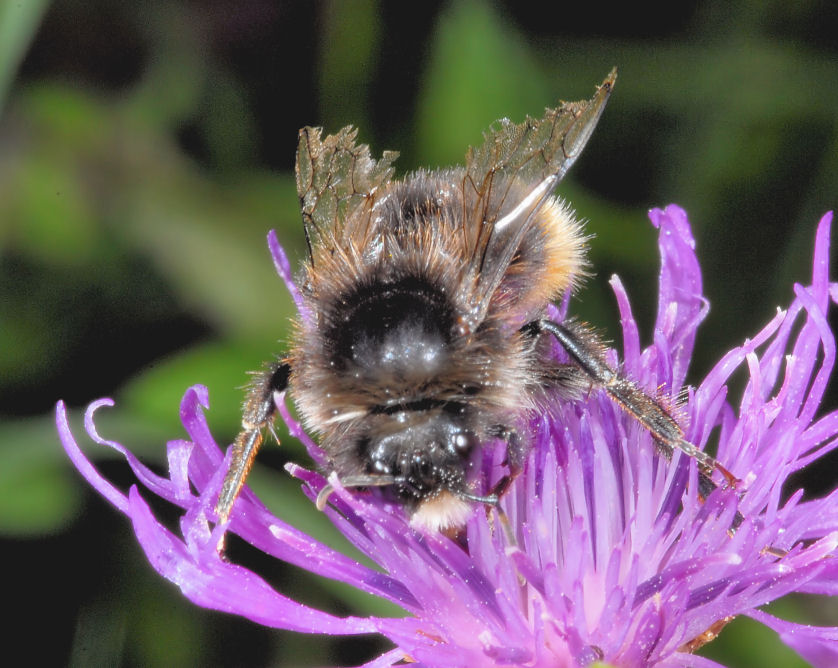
(425,333)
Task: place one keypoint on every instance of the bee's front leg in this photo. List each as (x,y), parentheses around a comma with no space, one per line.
(257,413)
(587,353)
(514,460)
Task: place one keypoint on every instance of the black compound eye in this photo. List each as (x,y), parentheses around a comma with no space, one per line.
(463,442)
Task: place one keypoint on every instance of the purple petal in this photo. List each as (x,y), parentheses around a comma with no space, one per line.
(681,302)
(283,268)
(390,658)
(208,580)
(83,465)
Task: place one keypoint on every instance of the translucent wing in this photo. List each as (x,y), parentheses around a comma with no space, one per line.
(535,154)
(335,179)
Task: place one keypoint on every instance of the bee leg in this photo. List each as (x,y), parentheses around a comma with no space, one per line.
(514,460)
(258,411)
(705,488)
(587,353)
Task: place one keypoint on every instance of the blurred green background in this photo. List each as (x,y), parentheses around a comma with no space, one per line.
(146,148)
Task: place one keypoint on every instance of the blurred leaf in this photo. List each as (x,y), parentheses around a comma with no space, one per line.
(210,243)
(66,122)
(229,130)
(90,175)
(347,62)
(99,637)
(55,223)
(171,89)
(46,198)
(155,394)
(39,494)
(18,23)
(480,69)
(291,647)
(164,634)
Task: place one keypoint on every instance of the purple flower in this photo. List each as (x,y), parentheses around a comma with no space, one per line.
(609,555)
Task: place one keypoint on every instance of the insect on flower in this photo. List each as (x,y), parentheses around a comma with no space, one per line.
(424,332)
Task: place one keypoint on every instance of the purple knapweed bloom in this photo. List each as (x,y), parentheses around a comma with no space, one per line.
(609,553)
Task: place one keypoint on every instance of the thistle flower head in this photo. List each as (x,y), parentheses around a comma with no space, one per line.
(602,550)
